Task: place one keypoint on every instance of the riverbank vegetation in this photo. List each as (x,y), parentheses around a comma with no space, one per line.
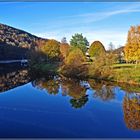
(81,60)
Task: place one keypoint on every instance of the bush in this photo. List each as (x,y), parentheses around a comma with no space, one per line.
(102,68)
(74,64)
(96,49)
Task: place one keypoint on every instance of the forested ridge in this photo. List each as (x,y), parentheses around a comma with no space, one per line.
(15,43)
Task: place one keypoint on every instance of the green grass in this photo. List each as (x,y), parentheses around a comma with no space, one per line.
(129,73)
(126,65)
(123,73)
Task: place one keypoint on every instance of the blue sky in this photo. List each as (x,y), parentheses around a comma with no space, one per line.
(104,21)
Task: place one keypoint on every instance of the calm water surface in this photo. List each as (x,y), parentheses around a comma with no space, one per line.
(66,108)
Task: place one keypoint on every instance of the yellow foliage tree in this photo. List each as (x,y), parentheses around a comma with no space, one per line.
(51,49)
(74,64)
(96,49)
(75,57)
(132,47)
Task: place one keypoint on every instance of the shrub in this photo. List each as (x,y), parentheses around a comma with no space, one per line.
(96,49)
(102,68)
(74,64)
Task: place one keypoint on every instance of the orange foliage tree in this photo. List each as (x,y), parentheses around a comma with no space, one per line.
(64,49)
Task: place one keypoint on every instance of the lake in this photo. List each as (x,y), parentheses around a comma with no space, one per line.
(55,107)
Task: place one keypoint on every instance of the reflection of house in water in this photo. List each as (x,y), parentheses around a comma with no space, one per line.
(131,108)
(13,79)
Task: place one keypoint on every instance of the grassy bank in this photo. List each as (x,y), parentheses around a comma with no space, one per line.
(45,68)
(128,73)
(122,73)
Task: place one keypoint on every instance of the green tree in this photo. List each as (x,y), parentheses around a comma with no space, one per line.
(96,49)
(51,49)
(78,41)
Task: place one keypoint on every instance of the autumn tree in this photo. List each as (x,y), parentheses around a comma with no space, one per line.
(75,57)
(96,49)
(132,47)
(40,43)
(36,55)
(73,66)
(102,68)
(78,41)
(64,49)
(51,49)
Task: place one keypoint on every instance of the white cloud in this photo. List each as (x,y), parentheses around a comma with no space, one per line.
(105,36)
(69,25)
(87,18)
(96,16)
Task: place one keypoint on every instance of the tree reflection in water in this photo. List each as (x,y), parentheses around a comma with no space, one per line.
(50,85)
(131,108)
(78,103)
(13,79)
(75,90)
(71,88)
(102,91)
